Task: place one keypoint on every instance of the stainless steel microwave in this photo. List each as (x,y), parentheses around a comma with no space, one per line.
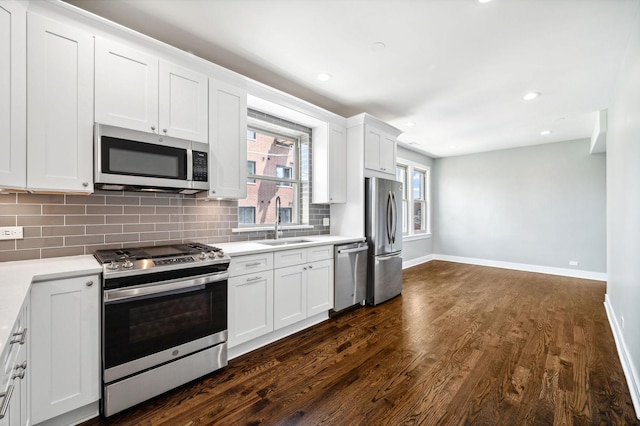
(137,161)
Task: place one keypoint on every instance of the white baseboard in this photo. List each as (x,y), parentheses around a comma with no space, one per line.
(417,261)
(633,379)
(574,273)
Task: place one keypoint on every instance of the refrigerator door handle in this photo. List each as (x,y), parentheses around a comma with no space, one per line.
(388,257)
(394,211)
(388,218)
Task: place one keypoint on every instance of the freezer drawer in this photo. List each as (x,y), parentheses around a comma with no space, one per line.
(350,275)
(385,278)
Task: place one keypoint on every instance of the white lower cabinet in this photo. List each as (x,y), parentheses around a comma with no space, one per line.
(250,297)
(14,376)
(250,306)
(64,362)
(305,289)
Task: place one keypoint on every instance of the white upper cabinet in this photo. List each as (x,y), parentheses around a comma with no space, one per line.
(13,95)
(330,165)
(136,90)
(228,141)
(126,87)
(379,151)
(59,107)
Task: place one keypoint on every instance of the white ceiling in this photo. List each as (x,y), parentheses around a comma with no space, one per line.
(457,68)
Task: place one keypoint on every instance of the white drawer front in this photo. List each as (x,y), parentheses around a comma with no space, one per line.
(290,257)
(241,265)
(319,253)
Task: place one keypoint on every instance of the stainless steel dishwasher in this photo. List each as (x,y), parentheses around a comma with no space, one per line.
(350,280)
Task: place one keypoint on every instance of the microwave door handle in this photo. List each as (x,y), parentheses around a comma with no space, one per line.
(189,164)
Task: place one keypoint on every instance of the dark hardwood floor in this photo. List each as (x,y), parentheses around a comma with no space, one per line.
(463,345)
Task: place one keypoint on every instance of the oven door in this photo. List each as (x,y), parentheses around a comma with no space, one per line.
(147,325)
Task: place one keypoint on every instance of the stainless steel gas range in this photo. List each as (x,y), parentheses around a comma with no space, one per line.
(164,319)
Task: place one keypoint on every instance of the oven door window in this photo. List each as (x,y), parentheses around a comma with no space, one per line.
(137,327)
(122,157)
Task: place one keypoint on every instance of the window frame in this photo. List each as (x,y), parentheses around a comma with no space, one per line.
(245,208)
(408,192)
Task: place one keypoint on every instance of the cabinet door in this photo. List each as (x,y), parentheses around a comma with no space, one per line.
(319,287)
(337,164)
(388,155)
(13,95)
(126,87)
(64,346)
(289,296)
(227,141)
(59,107)
(372,142)
(183,100)
(250,307)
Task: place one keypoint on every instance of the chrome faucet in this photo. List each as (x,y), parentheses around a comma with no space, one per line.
(276,233)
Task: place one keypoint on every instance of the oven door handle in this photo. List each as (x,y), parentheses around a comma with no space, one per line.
(169,287)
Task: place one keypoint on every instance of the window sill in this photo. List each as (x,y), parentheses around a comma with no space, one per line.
(416,237)
(270,228)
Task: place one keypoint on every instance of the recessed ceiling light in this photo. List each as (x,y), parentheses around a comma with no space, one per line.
(483,1)
(324,76)
(378,46)
(410,123)
(531,95)
(546,132)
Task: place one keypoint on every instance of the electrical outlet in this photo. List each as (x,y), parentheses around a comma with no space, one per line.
(574,263)
(325,221)
(11,233)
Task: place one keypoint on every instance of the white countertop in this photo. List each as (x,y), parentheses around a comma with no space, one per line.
(250,247)
(16,279)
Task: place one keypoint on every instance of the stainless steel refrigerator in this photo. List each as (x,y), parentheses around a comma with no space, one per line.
(383,229)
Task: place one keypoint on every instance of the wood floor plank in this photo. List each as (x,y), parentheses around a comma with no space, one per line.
(462,345)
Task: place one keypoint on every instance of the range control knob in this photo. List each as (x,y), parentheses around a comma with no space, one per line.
(212,254)
(127,264)
(220,253)
(203,256)
(112,266)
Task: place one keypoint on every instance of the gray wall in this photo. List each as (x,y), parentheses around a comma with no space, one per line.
(623,209)
(542,205)
(418,248)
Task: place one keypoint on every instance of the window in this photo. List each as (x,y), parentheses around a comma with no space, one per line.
(251,135)
(251,170)
(285,215)
(283,173)
(246,215)
(401,176)
(277,166)
(416,219)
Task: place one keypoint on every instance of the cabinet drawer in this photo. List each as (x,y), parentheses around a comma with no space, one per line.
(290,257)
(319,253)
(251,263)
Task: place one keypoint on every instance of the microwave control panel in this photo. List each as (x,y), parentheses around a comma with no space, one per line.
(200,166)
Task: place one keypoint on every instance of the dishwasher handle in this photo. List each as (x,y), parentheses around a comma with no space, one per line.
(353,250)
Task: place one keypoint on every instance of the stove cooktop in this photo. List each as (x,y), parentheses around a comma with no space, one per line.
(164,257)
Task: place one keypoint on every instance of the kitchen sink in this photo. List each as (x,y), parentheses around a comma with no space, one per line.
(283,242)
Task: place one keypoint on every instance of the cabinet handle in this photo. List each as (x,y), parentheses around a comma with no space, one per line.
(19,375)
(254,279)
(165,131)
(304,268)
(310,266)
(22,339)
(253,264)
(85,184)
(153,128)
(5,402)
(89,283)
(23,365)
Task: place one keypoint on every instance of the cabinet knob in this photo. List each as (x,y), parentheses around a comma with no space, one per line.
(310,266)
(304,268)
(23,365)
(85,184)
(165,131)
(89,283)
(19,375)
(153,128)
